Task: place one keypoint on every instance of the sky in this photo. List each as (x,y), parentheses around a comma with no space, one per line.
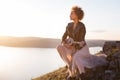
(49,18)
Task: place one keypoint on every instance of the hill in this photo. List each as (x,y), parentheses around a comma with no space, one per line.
(39,42)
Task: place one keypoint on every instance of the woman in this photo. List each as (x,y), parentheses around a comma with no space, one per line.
(74,50)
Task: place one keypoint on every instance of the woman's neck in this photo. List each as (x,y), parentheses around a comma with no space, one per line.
(75,23)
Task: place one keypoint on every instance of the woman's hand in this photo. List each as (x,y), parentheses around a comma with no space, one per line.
(68,46)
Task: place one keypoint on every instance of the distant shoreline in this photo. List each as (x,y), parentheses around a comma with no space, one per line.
(37,42)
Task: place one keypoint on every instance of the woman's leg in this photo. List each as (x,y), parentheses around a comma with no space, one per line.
(77,65)
(79,60)
(65,54)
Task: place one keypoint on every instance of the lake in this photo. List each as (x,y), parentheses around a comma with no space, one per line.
(28,63)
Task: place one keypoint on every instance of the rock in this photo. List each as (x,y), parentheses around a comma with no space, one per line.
(103,72)
(114,63)
(109,75)
(116,55)
(111,47)
(95,73)
(112,50)
(112,70)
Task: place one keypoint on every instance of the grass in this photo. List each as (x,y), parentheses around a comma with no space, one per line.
(59,74)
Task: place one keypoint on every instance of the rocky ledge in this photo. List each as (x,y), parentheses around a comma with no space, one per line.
(111,71)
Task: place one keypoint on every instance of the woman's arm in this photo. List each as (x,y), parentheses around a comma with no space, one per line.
(82,32)
(64,36)
(82,36)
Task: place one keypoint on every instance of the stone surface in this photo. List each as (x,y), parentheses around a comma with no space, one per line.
(111,71)
(111,47)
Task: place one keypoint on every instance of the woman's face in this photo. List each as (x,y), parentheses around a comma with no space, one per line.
(73,16)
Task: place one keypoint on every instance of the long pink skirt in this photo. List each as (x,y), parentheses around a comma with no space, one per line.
(78,60)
